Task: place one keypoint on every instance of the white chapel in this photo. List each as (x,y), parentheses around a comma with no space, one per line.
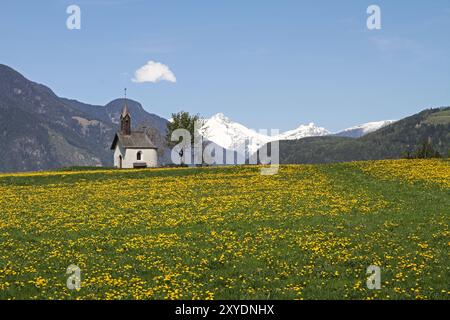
(133,149)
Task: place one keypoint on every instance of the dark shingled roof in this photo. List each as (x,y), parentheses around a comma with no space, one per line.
(136,139)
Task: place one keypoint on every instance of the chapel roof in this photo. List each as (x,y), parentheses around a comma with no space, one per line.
(136,139)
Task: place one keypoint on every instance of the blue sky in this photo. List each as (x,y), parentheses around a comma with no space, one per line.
(266,64)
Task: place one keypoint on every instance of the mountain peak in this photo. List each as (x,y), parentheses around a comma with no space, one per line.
(303,131)
(232,135)
(10,77)
(5,68)
(221,116)
(309,125)
(235,136)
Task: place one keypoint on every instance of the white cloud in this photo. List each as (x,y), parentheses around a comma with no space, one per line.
(154,72)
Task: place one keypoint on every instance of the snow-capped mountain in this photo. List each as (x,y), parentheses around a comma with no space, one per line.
(232,135)
(235,136)
(310,130)
(363,129)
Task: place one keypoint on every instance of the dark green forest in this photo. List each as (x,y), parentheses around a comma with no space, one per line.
(398,140)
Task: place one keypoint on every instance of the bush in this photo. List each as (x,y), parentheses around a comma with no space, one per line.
(426,151)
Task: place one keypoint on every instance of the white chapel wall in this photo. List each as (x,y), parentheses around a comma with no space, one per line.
(129,157)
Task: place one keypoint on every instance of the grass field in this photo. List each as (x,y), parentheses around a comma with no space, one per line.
(309,232)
